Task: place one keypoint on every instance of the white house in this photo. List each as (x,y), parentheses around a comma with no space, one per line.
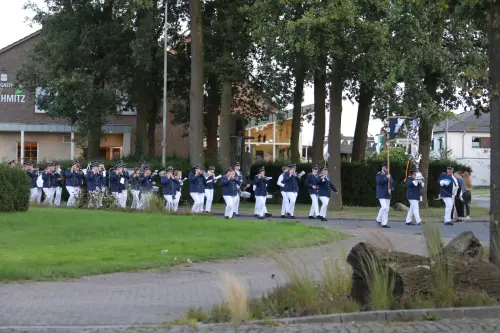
(468,139)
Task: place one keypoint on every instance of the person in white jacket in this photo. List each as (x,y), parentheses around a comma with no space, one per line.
(286,201)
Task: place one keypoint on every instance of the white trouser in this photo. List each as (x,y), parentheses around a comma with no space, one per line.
(176,201)
(49,195)
(102,192)
(383,213)
(324,206)
(39,195)
(33,195)
(121,198)
(169,202)
(209,194)
(229,206)
(284,204)
(57,196)
(198,199)
(135,199)
(449,207)
(71,191)
(145,200)
(413,212)
(292,198)
(94,199)
(260,205)
(237,204)
(314,206)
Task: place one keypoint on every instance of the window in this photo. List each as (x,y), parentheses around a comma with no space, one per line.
(125,110)
(30,151)
(66,138)
(481,142)
(39,91)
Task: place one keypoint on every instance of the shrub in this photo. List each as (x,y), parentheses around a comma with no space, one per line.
(15,187)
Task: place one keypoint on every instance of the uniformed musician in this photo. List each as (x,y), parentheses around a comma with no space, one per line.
(413,187)
(197,184)
(33,178)
(169,184)
(385,186)
(93,184)
(312,180)
(135,188)
(291,189)
(260,183)
(48,184)
(229,186)
(147,182)
(324,187)
(58,182)
(209,188)
(239,179)
(118,184)
(285,201)
(74,177)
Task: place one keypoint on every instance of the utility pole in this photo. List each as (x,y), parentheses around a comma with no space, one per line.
(165,103)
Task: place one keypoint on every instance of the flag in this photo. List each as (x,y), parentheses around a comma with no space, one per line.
(395,125)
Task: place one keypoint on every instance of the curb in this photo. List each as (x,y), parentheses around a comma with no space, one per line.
(354,218)
(482,312)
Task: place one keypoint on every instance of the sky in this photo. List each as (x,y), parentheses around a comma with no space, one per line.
(15,25)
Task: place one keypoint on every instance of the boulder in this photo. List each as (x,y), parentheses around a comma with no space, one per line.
(401,207)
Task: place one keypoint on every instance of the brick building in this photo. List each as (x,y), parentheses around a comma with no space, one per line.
(28,133)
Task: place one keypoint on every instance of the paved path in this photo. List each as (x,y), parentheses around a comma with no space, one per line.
(159,296)
(480,201)
(444,326)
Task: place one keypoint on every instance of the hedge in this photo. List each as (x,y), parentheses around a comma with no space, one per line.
(15,189)
(358,180)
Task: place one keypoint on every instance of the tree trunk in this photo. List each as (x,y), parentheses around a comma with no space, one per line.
(298,97)
(225,124)
(411,274)
(494,91)
(334,162)
(319,110)
(361,132)
(425,136)
(196,132)
(141,139)
(94,140)
(153,113)
(211,120)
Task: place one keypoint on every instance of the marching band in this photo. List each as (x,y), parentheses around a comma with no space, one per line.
(202,183)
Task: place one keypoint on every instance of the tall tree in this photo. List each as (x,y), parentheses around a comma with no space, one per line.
(432,81)
(196,132)
(494,93)
(77,63)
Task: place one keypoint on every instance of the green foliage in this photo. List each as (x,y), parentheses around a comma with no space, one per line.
(14,189)
(358,181)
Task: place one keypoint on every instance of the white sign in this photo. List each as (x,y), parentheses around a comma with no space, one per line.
(17,97)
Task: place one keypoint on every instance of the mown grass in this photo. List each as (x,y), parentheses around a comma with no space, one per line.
(51,243)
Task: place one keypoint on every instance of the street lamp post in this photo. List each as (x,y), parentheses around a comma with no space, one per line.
(165,52)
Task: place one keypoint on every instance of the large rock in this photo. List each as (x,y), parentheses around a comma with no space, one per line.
(411,273)
(401,207)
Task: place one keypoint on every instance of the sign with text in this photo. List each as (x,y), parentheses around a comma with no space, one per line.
(15,96)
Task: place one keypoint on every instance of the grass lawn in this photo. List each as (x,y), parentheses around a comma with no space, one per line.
(351,212)
(481,191)
(51,243)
